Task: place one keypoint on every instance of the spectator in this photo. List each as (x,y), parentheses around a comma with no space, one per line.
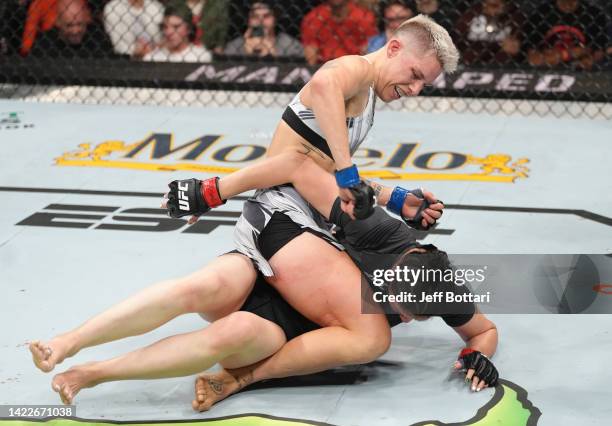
(444,15)
(372,5)
(392,14)
(178,34)
(214,24)
(196,7)
(74,35)
(336,28)
(261,39)
(490,33)
(570,32)
(289,15)
(41,17)
(133,25)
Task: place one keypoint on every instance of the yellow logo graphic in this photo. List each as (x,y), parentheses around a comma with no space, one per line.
(99,152)
(165,156)
(508,406)
(498,163)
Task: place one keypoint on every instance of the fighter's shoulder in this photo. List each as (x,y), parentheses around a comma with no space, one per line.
(354,65)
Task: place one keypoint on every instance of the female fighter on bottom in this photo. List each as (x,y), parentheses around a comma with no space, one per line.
(264,323)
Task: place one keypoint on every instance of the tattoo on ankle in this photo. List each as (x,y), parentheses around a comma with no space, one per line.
(246,380)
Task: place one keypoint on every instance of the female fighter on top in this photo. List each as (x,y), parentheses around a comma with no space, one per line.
(347,336)
(332,115)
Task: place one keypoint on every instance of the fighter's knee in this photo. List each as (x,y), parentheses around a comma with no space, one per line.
(234,331)
(195,290)
(371,348)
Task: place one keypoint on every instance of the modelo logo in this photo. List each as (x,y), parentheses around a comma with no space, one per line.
(163,155)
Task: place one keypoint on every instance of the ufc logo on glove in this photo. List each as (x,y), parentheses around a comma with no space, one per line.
(183,198)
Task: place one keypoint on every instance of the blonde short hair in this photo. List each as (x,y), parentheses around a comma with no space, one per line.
(432,38)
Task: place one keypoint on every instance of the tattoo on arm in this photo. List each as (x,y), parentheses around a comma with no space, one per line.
(308,149)
(375,186)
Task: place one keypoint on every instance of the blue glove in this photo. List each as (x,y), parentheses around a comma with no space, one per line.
(396,202)
(348,178)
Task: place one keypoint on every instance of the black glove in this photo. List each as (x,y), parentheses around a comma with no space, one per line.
(483,367)
(396,203)
(416,221)
(364,200)
(188,197)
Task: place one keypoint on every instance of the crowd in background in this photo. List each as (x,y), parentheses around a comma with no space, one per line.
(540,33)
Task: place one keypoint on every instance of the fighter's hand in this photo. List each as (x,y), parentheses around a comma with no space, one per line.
(415,207)
(479,370)
(356,197)
(429,215)
(347,201)
(164,205)
(186,198)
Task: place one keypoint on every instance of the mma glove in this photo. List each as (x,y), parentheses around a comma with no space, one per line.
(189,197)
(483,367)
(396,203)
(362,193)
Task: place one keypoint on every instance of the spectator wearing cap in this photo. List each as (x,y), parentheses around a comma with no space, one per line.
(178,35)
(566,32)
(392,14)
(336,28)
(133,25)
(73,35)
(261,38)
(490,33)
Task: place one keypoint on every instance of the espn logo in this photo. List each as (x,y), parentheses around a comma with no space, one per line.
(80,216)
(183,187)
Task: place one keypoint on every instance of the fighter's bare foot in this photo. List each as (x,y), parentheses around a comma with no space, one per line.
(47,355)
(70,382)
(215,387)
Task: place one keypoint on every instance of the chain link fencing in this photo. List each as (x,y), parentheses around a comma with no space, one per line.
(543,57)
